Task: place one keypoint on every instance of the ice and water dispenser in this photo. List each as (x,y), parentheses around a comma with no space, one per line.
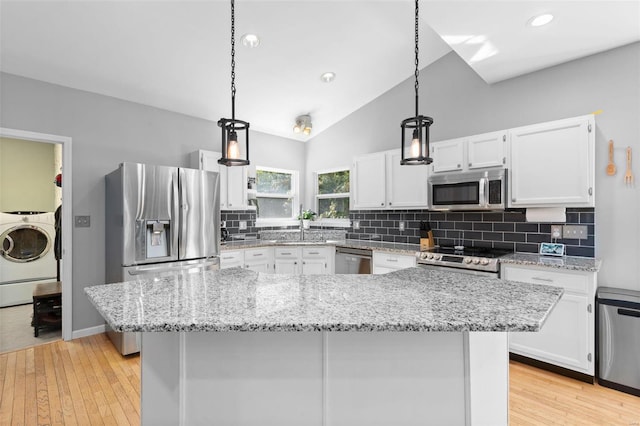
(154,240)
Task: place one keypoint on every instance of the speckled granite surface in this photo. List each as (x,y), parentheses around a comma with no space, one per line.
(309,234)
(410,249)
(413,299)
(566,262)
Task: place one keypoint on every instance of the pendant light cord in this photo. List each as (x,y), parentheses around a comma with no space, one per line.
(233,61)
(417,72)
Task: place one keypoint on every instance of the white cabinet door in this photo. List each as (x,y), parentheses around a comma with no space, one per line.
(386,262)
(233,180)
(487,150)
(448,156)
(314,266)
(368,181)
(552,164)
(564,338)
(287,266)
(406,185)
(236,187)
(259,259)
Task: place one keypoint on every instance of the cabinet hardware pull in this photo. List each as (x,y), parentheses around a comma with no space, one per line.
(470,164)
(458,165)
(589,357)
(295,263)
(589,308)
(382,204)
(589,127)
(258,254)
(314,252)
(227,258)
(286,254)
(504,138)
(389,203)
(504,160)
(590,191)
(392,260)
(548,280)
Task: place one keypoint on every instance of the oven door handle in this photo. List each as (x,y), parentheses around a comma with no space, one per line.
(483,192)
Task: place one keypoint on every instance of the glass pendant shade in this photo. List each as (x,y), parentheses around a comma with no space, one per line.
(415,140)
(235,142)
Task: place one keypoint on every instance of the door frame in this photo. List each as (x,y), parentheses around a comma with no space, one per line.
(66,270)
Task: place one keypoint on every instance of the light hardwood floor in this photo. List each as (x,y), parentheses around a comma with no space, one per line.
(86,382)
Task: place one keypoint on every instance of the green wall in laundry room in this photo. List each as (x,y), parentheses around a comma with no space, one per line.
(27,171)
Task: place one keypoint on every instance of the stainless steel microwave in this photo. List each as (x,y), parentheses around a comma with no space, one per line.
(481,190)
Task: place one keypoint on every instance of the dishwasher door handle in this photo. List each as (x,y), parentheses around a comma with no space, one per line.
(629,313)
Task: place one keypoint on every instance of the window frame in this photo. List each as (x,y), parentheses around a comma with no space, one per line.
(295,196)
(338,223)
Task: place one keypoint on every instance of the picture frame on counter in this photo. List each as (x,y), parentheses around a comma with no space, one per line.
(552,249)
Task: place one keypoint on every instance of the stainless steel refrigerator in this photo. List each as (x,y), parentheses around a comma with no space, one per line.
(159,220)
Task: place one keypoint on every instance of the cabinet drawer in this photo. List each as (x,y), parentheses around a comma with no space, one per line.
(395,261)
(256,254)
(231,256)
(576,282)
(286,252)
(314,252)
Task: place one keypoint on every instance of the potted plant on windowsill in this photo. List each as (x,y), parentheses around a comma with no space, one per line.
(306,216)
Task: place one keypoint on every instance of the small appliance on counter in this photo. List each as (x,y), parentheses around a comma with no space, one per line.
(426,236)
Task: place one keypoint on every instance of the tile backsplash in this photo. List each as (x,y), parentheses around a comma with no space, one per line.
(504,230)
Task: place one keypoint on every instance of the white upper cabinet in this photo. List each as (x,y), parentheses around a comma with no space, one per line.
(470,153)
(487,150)
(553,164)
(378,181)
(368,181)
(233,180)
(448,156)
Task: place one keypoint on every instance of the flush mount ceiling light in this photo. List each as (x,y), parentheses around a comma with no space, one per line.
(540,20)
(414,145)
(250,40)
(328,77)
(234,151)
(303,124)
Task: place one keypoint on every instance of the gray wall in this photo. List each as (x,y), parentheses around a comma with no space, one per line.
(107,131)
(463,104)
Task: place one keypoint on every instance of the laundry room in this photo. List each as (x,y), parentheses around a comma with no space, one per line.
(30,291)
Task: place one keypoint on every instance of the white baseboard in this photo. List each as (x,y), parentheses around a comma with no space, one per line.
(90,331)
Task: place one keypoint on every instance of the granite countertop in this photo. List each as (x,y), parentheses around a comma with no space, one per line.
(235,299)
(409,249)
(565,262)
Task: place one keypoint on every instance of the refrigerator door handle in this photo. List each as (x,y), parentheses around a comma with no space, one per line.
(210,264)
(180,204)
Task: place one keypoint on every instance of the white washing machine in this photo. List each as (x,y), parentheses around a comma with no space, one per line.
(26,255)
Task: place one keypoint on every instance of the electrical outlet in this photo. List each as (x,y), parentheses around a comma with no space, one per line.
(223,224)
(556,231)
(242,225)
(401,226)
(82,221)
(356,224)
(578,232)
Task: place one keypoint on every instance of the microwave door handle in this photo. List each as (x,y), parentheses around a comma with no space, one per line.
(483,198)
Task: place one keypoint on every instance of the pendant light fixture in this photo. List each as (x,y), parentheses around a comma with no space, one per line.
(235,147)
(415,130)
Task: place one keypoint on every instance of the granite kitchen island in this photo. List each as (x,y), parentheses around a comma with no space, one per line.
(411,347)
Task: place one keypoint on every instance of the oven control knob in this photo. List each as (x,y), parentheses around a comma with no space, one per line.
(429,255)
(437,256)
(467,260)
(423,255)
(484,261)
(475,260)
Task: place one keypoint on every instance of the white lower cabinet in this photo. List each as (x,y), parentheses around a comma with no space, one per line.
(231,259)
(259,259)
(304,260)
(384,262)
(567,337)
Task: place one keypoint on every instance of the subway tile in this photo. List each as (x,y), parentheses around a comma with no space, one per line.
(454,217)
(526,227)
(503,226)
(587,217)
(394,216)
(400,239)
(446,242)
(492,217)
(545,228)
(538,238)
(446,225)
(569,241)
(580,251)
(504,246)
(368,230)
(439,233)
(473,235)
(464,225)
(527,248)
(482,243)
(515,237)
(483,226)
(388,238)
(472,217)
(514,217)
(437,216)
(573,217)
(413,240)
(588,242)
(492,236)
(375,223)
(382,231)
(393,231)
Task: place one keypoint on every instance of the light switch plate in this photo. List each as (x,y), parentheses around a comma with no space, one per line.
(577,232)
(401,226)
(242,225)
(82,221)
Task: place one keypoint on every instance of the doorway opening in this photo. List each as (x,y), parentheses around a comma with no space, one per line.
(35,237)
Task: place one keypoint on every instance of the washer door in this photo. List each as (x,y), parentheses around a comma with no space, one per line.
(24,243)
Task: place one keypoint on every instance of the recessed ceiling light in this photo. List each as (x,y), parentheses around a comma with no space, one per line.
(328,77)
(250,40)
(540,20)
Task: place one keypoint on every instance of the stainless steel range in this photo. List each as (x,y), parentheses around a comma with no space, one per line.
(470,260)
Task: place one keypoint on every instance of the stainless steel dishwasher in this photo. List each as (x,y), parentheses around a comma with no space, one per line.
(353,261)
(618,335)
